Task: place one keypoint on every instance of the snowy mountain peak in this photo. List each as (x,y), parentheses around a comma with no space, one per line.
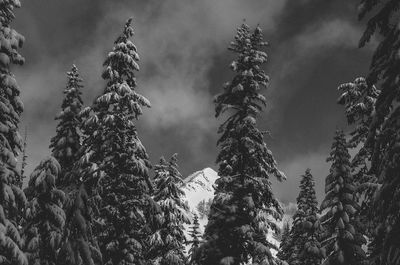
(199,186)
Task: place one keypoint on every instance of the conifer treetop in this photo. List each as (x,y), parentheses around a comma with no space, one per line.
(341,239)
(358,98)
(167,243)
(67,142)
(244,208)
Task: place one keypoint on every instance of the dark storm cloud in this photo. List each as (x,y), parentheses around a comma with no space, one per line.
(182,45)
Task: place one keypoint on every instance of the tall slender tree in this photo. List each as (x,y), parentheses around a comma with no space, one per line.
(359,100)
(244,207)
(45,214)
(168,241)
(341,237)
(115,165)
(305,248)
(285,245)
(12,199)
(382,137)
(67,141)
(195,236)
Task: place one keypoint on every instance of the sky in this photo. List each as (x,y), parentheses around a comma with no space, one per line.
(184,62)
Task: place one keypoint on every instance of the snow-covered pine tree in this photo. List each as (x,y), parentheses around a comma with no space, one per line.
(45,214)
(359,100)
(285,246)
(244,207)
(382,137)
(67,141)
(195,235)
(305,248)
(341,237)
(168,241)
(115,165)
(12,199)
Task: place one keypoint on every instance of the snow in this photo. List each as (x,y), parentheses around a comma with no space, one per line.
(197,187)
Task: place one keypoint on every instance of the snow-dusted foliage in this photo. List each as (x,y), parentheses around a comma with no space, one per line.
(115,165)
(382,140)
(195,237)
(79,245)
(303,247)
(12,199)
(359,100)
(341,237)
(167,243)
(66,143)
(45,214)
(285,246)
(244,208)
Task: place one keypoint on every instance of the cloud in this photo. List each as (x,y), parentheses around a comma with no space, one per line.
(177,42)
(337,32)
(288,191)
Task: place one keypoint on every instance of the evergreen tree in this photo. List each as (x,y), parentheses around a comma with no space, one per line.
(66,143)
(195,236)
(12,199)
(382,137)
(45,215)
(285,246)
(115,165)
(305,248)
(244,207)
(341,237)
(359,100)
(168,241)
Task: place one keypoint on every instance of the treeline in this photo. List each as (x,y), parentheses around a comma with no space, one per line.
(99,200)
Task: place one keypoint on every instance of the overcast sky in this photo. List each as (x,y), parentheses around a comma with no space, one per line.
(184,62)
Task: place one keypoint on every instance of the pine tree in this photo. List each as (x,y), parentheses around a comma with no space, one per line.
(285,246)
(305,248)
(341,237)
(115,165)
(382,137)
(244,207)
(12,199)
(195,236)
(45,215)
(168,241)
(359,100)
(67,142)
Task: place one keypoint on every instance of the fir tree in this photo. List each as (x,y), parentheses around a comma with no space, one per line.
(285,246)
(341,237)
(195,236)
(244,207)
(66,143)
(382,137)
(168,241)
(359,100)
(12,199)
(305,248)
(115,165)
(45,215)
